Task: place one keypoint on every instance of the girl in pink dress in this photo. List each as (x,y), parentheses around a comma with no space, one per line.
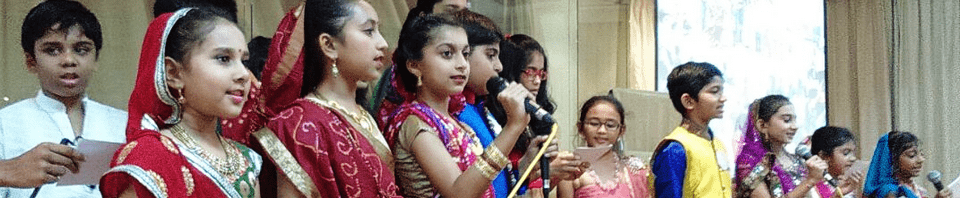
(612,174)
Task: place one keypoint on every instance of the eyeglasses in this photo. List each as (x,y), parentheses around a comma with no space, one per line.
(611,125)
(531,72)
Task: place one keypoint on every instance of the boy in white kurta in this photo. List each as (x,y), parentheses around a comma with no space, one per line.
(61,41)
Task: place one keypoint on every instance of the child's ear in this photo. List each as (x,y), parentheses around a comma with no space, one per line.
(31,62)
(174,71)
(623,128)
(328,46)
(688,102)
(414,68)
(760,125)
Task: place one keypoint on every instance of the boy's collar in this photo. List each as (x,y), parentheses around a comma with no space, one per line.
(50,104)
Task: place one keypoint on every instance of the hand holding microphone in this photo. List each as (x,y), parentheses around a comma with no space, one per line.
(816,166)
(934,177)
(512,97)
(516,101)
(501,88)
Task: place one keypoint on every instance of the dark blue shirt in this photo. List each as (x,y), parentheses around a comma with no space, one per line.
(669,168)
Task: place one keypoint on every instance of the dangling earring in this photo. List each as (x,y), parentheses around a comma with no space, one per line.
(419,81)
(181,100)
(335,71)
(618,146)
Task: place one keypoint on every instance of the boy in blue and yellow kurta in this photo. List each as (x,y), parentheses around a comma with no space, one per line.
(690,162)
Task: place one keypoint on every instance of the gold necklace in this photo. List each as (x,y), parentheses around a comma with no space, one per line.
(229,167)
(362,118)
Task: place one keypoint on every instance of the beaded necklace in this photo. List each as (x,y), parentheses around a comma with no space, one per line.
(230,167)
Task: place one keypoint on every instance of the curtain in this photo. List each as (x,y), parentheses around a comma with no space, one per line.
(926,39)
(518,18)
(892,65)
(642,50)
(858,69)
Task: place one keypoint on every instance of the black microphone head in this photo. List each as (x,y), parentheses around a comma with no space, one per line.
(934,176)
(495,85)
(803,151)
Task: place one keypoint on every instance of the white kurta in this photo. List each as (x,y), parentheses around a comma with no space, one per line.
(26,124)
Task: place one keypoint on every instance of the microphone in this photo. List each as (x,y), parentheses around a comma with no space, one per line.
(804,151)
(934,177)
(541,123)
(496,84)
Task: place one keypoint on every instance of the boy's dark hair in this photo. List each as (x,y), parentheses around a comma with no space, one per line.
(66,14)
(414,36)
(689,78)
(828,138)
(321,16)
(190,30)
(226,8)
(259,48)
(480,29)
(427,5)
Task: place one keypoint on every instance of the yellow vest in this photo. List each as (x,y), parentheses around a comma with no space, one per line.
(704,177)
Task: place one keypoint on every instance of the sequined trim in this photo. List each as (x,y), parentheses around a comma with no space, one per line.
(285,161)
(126,151)
(159,181)
(187,179)
(160,73)
(169,144)
(149,179)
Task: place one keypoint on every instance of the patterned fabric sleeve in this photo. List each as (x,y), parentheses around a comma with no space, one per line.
(670,168)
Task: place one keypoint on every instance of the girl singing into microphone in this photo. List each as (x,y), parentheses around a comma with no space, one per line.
(436,155)
(764,168)
(896,161)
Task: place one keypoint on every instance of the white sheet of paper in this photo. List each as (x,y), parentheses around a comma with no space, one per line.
(591,154)
(954,187)
(98,155)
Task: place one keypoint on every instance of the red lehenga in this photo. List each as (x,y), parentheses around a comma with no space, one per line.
(152,164)
(321,149)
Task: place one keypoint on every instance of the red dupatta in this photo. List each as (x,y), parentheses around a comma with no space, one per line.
(150,163)
(282,80)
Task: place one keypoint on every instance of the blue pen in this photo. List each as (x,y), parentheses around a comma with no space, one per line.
(63,141)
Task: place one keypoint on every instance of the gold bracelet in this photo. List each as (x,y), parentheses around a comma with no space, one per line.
(493,154)
(485,170)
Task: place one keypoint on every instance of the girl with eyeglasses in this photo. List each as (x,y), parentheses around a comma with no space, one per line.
(525,61)
(613,174)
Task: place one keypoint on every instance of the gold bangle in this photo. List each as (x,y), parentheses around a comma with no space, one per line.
(493,154)
(485,170)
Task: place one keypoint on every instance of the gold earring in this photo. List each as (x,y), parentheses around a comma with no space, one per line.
(181,100)
(335,71)
(419,81)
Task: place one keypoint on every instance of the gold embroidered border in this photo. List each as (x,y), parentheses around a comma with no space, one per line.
(169,144)
(187,179)
(126,151)
(285,161)
(160,183)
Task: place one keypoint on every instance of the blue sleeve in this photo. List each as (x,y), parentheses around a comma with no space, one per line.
(669,168)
